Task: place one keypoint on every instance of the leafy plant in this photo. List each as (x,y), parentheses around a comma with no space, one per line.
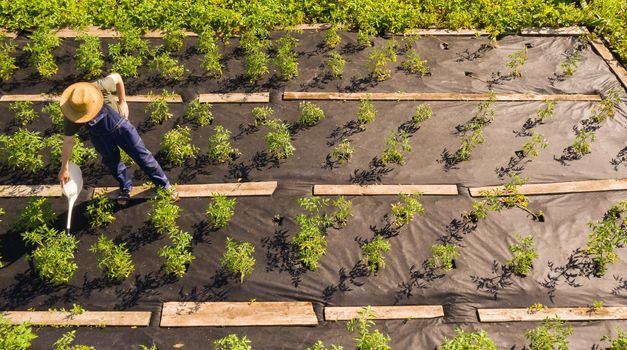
(41,46)
(364,35)
(524,254)
(366,339)
(583,142)
(89,58)
(468,143)
(232,342)
(551,334)
(164,212)
(152,347)
(468,341)
(166,66)
(373,253)
(319,345)
(53,256)
(7,61)
(336,64)
(211,60)
(415,64)
(128,54)
(178,256)
(238,258)
(618,343)
(220,211)
(442,256)
(53,110)
(80,153)
(342,211)
(220,149)
(286,57)
(569,66)
(472,132)
(596,305)
(423,112)
(367,113)
(517,60)
(256,57)
(607,234)
(100,211)
(310,241)
(24,112)
(310,114)
(158,107)
(37,212)
(607,107)
(114,260)
(534,308)
(343,152)
(15,337)
(396,144)
(406,208)
(546,112)
(279,140)
(380,58)
(66,339)
(199,113)
(331,37)
(176,146)
(530,148)
(173,36)
(261,115)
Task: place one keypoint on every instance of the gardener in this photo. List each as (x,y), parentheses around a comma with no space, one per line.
(92,105)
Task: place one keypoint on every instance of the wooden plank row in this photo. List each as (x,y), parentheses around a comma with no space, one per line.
(382,190)
(433,96)
(236,314)
(565,314)
(615,66)
(444,31)
(8,191)
(235,97)
(343,313)
(560,187)
(239,189)
(545,31)
(88,318)
(52,98)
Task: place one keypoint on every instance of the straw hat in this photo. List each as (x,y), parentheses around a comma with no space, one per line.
(81,102)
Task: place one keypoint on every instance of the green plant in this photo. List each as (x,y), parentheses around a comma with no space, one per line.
(530,148)
(232,342)
(342,211)
(158,107)
(415,64)
(550,335)
(279,140)
(164,212)
(211,59)
(125,158)
(380,58)
(256,57)
(128,54)
(261,115)
(546,112)
(366,339)
(534,308)
(238,258)
(583,142)
(114,260)
(396,143)
(100,211)
(178,256)
(220,211)
(517,60)
(343,152)
(37,212)
(442,256)
(53,110)
(524,254)
(310,114)
(468,341)
(364,35)
(80,152)
(24,112)
(373,253)
(423,112)
(173,36)
(596,305)
(309,241)
(15,337)
(569,66)
(42,43)
(331,37)
(7,61)
(220,149)
(199,113)
(166,66)
(176,146)
(89,58)
(286,57)
(53,256)
(468,143)
(336,64)
(406,208)
(607,234)
(367,113)
(66,339)
(319,345)
(152,347)
(126,64)
(618,343)
(472,131)
(607,107)
(77,310)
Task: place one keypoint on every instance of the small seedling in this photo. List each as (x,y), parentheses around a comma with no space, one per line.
(37,212)
(7,61)
(406,208)
(415,64)
(336,64)
(220,211)
(66,339)
(342,211)
(178,256)
(366,339)
(152,347)
(89,58)
(173,37)
(199,113)
(176,146)
(80,153)
(618,343)
(422,114)
(158,107)
(569,66)
(524,254)
(100,211)
(607,234)
(126,159)
(343,152)
(396,144)
(319,345)
(53,256)
(606,109)
(535,308)
(468,341)
(211,60)
(331,37)
(373,253)
(517,60)
(583,142)
(367,113)
(310,114)
(238,258)
(551,334)
(166,66)
(380,58)
(42,43)
(256,58)
(286,57)
(15,337)
(442,256)
(261,115)
(114,260)
(595,306)
(472,131)
(24,112)
(232,342)
(53,110)
(164,212)
(279,140)
(220,149)
(364,35)
(545,112)
(128,54)
(530,148)
(126,64)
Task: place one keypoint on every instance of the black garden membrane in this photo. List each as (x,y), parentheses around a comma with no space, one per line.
(560,278)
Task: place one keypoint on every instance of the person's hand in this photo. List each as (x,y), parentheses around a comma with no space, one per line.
(64,175)
(124,109)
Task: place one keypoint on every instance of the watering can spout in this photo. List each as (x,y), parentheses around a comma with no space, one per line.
(71,189)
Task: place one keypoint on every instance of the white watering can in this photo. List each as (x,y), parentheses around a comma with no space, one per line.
(71,189)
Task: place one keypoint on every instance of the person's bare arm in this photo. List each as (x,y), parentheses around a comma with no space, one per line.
(121,92)
(66,155)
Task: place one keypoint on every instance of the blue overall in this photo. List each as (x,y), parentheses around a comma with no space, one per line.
(108,131)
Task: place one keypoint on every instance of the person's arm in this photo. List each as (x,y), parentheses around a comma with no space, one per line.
(66,155)
(121,92)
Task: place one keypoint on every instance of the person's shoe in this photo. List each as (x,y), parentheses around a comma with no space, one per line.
(123,198)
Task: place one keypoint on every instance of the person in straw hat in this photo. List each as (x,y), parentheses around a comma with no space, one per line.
(92,105)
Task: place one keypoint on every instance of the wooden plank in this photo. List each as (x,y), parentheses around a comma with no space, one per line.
(88,318)
(444,31)
(384,312)
(239,189)
(92,30)
(545,31)
(149,98)
(565,314)
(160,34)
(30,190)
(615,66)
(433,96)
(235,314)
(314,26)
(235,97)
(382,190)
(52,98)
(6,33)
(560,187)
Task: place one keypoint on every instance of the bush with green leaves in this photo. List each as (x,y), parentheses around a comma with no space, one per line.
(53,254)
(406,208)
(238,258)
(22,150)
(7,61)
(80,153)
(379,60)
(15,337)
(309,241)
(24,112)
(220,211)
(42,43)
(336,64)
(261,115)
(114,259)
(286,57)
(279,139)
(100,211)
(618,343)
(89,58)
(516,62)
(468,341)
(343,152)
(255,56)
(530,148)
(178,256)
(551,334)
(310,114)
(583,142)
(173,36)
(128,54)
(442,256)
(331,37)
(423,113)
(415,64)
(158,107)
(64,343)
(220,149)
(606,109)
(524,254)
(199,113)
(364,35)
(373,253)
(607,235)
(53,110)
(166,66)
(211,59)
(37,212)
(177,147)
(367,339)
(319,345)
(397,143)
(342,211)
(546,112)
(367,113)
(232,342)
(164,212)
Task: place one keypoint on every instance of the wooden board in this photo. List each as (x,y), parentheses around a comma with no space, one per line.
(232,314)
(615,66)
(432,96)
(384,312)
(8,34)
(30,190)
(238,189)
(235,97)
(544,31)
(561,187)
(52,98)
(565,314)
(315,26)
(444,31)
(382,190)
(88,318)
(108,33)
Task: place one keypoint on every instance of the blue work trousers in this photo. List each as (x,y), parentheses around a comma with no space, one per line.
(109,133)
